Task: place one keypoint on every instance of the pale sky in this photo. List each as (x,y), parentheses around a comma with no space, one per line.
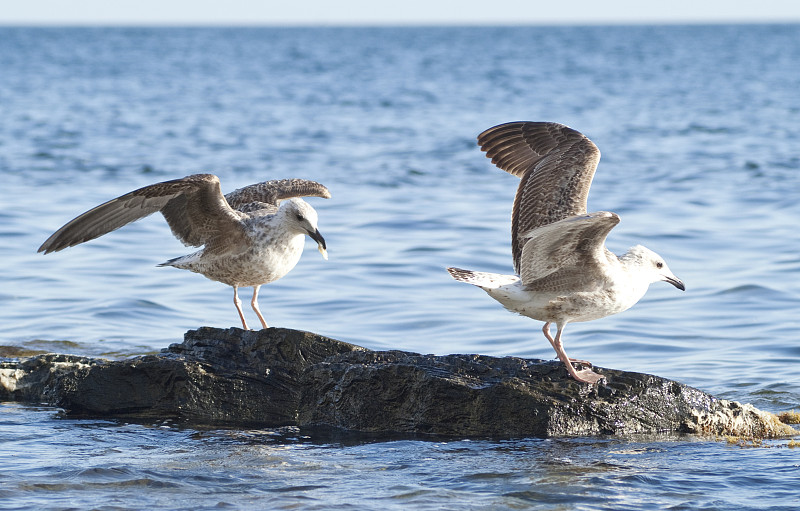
(400,12)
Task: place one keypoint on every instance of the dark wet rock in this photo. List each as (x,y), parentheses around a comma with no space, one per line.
(279,377)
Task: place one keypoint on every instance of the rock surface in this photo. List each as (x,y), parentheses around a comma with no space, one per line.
(279,377)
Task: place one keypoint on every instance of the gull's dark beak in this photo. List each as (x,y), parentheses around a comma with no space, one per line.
(316,236)
(676,282)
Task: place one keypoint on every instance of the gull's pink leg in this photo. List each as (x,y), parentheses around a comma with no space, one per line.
(254,304)
(238,304)
(584,375)
(546,331)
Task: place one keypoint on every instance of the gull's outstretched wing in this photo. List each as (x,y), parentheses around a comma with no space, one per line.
(556,165)
(567,254)
(193,206)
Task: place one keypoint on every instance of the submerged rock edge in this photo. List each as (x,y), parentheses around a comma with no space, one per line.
(282,377)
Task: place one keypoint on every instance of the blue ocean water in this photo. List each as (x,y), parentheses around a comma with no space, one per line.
(699,127)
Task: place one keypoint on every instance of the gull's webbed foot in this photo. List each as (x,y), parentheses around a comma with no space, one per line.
(586,376)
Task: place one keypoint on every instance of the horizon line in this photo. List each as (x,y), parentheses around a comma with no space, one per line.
(386,24)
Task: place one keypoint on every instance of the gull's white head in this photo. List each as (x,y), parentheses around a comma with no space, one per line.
(301,218)
(650,265)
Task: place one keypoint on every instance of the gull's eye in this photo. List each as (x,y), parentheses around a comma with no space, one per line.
(659,265)
(301,218)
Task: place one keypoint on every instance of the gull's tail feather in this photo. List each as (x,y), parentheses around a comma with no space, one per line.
(169,262)
(183,262)
(482,279)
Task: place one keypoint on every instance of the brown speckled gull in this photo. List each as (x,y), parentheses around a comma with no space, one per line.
(250,237)
(565,273)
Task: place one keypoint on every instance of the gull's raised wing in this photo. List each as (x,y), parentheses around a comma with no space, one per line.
(556,165)
(268,194)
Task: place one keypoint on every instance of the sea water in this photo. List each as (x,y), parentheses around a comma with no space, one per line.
(699,127)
